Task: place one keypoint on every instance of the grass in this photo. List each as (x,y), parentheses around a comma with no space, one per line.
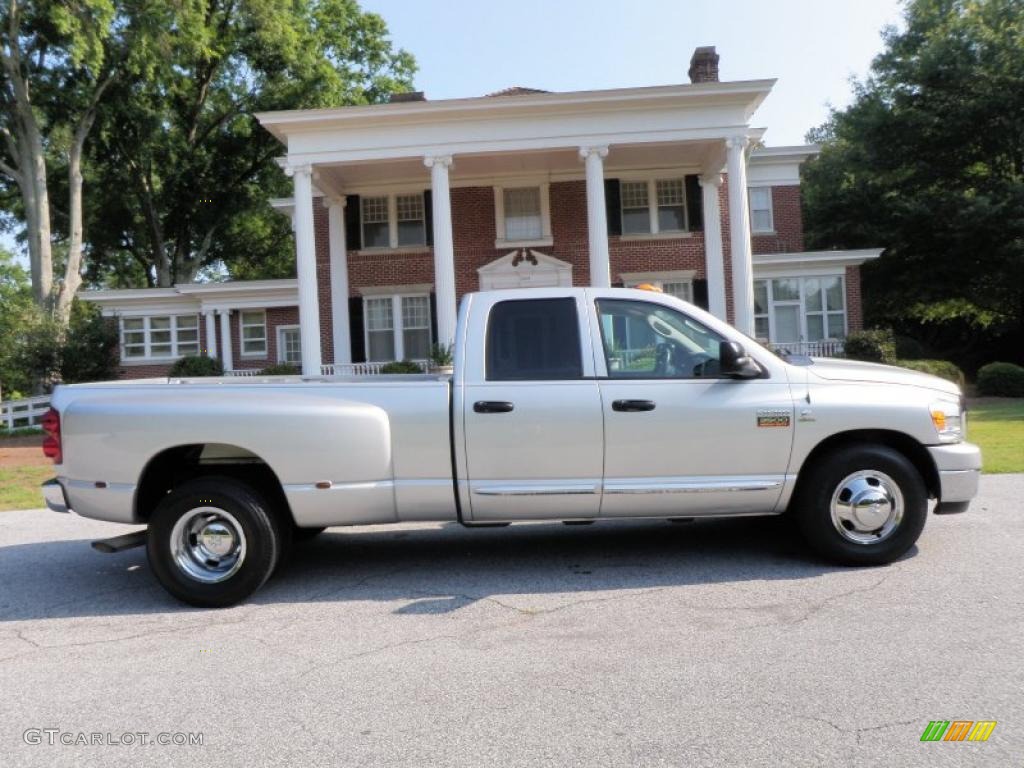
(19,487)
(20,432)
(997,425)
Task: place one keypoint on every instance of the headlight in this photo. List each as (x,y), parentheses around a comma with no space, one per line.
(948,419)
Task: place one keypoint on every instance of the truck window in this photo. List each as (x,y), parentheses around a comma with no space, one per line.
(533,339)
(644,340)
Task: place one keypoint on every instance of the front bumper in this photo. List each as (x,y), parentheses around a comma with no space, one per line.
(959,467)
(53,493)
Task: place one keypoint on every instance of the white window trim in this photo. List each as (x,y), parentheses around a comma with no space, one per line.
(545,239)
(771,210)
(393,245)
(148,343)
(397,327)
(280,343)
(652,207)
(802,304)
(241,336)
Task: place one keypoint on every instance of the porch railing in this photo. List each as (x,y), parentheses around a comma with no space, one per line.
(825,348)
(23,413)
(244,372)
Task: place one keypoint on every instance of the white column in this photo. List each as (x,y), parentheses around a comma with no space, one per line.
(597,216)
(305,259)
(444,247)
(739,235)
(225,339)
(211,333)
(710,184)
(340,331)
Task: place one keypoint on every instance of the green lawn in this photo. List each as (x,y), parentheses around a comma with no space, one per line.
(997,425)
(19,487)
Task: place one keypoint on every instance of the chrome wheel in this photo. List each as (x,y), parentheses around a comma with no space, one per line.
(867,507)
(207,544)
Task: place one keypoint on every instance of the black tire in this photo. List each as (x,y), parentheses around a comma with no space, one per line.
(305,534)
(264,541)
(814,510)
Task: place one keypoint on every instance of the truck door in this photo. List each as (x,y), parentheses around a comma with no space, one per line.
(533,428)
(680,439)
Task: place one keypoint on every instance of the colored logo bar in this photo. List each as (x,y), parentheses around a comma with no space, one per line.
(958,730)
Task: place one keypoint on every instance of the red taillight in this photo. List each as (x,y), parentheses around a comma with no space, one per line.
(51,444)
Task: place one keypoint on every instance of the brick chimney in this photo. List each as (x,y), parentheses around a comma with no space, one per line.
(704,65)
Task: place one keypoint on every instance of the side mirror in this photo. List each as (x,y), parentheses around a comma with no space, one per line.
(734,362)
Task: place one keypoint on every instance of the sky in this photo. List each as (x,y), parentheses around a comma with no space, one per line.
(474,47)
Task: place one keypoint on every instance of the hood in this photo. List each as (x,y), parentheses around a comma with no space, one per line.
(833,369)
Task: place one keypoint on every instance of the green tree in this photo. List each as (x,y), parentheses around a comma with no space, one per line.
(17,311)
(928,161)
(183,170)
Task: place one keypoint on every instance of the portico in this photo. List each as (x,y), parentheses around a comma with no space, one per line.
(648,139)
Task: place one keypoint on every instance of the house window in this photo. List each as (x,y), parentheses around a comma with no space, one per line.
(289,345)
(761,209)
(411,220)
(253,324)
(681,288)
(522,213)
(159,337)
(636,215)
(652,206)
(393,221)
(376,230)
(522,216)
(397,327)
(795,309)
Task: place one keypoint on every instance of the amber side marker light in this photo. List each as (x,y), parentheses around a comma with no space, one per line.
(51,443)
(939,420)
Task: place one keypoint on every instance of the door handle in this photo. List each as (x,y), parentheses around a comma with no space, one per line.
(492,406)
(632,405)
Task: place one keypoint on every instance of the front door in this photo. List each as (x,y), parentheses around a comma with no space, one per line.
(679,439)
(533,425)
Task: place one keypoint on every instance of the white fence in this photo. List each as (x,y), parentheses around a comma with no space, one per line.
(826,348)
(23,413)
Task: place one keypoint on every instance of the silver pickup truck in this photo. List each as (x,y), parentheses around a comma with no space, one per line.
(566,404)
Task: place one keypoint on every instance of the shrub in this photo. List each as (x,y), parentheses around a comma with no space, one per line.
(1001,380)
(874,346)
(441,354)
(402,366)
(281,369)
(941,368)
(89,352)
(197,366)
(908,348)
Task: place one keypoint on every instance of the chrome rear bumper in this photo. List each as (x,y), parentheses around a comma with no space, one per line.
(53,493)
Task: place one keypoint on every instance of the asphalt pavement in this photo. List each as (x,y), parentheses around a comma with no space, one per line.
(620,644)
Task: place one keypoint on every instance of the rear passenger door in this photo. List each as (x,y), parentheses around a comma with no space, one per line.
(532,411)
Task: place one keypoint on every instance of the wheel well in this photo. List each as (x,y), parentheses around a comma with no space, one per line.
(174,466)
(916,453)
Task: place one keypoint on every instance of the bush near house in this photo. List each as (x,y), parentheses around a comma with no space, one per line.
(873,346)
(402,366)
(1001,380)
(197,366)
(281,369)
(941,368)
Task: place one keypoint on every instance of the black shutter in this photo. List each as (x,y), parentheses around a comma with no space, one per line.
(433,318)
(613,205)
(694,204)
(700,293)
(428,216)
(353,229)
(355,325)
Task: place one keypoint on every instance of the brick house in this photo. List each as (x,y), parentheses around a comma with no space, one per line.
(401,208)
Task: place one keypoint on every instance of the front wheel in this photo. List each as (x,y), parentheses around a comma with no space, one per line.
(213,541)
(862,505)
